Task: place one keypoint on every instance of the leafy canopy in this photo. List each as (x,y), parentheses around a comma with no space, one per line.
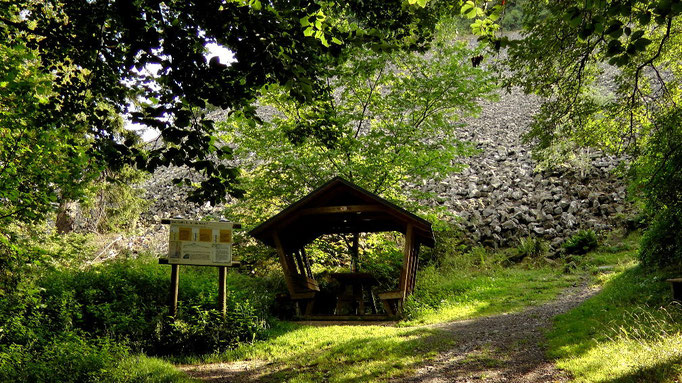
(44,150)
(387,121)
(71,69)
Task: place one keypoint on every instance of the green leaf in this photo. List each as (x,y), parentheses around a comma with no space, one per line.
(468,8)
(308,32)
(613,27)
(636,35)
(615,47)
(644,18)
(586,31)
(323,40)
(641,43)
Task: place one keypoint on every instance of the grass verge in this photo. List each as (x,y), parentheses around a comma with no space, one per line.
(630,332)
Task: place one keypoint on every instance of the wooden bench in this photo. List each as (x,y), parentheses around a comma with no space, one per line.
(305,289)
(392,301)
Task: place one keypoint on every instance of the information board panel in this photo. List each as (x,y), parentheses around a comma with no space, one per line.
(200,243)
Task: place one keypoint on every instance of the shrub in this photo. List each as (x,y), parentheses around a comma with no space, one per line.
(60,324)
(204,331)
(66,358)
(581,242)
(662,243)
(126,300)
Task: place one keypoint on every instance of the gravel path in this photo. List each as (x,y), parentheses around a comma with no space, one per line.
(500,348)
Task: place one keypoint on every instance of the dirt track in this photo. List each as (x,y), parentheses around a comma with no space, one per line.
(500,348)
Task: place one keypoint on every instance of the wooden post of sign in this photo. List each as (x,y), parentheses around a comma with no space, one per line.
(175,278)
(222,281)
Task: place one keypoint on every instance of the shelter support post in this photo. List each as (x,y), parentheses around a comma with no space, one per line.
(415,262)
(287,266)
(355,256)
(392,301)
(306,260)
(406,274)
(299,262)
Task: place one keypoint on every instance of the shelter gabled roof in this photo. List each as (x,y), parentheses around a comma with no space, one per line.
(339,206)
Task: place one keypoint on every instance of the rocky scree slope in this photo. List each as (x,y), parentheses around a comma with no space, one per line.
(499,198)
(502,196)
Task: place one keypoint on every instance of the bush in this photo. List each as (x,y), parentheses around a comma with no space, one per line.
(66,358)
(204,331)
(127,301)
(662,243)
(581,242)
(74,325)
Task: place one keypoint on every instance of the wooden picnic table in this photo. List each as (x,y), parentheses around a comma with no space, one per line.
(355,288)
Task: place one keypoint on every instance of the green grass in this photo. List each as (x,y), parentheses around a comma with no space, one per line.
(143,369)
(340,353)
(630,332)
(453,295)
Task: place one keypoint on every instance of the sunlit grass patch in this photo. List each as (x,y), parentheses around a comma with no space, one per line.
(629,360)
(141,368)
(341,353)
(631,332)
(454,295)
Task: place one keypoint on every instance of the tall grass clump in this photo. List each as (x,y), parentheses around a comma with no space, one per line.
(459,283)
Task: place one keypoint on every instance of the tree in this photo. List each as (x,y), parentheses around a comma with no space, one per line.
(37,166)
(386,120)
(610,73)
(95,56)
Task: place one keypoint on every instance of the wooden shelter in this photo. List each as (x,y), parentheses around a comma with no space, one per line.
(338,207)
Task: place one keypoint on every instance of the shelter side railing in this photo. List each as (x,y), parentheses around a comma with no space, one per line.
(301,285)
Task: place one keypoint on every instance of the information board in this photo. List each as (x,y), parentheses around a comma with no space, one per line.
(200,243)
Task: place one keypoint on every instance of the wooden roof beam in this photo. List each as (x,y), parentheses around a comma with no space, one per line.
(341,209)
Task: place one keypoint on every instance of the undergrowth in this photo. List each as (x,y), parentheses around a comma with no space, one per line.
(64,321)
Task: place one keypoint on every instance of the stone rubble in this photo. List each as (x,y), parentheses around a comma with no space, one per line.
(500,197)
(168,200)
